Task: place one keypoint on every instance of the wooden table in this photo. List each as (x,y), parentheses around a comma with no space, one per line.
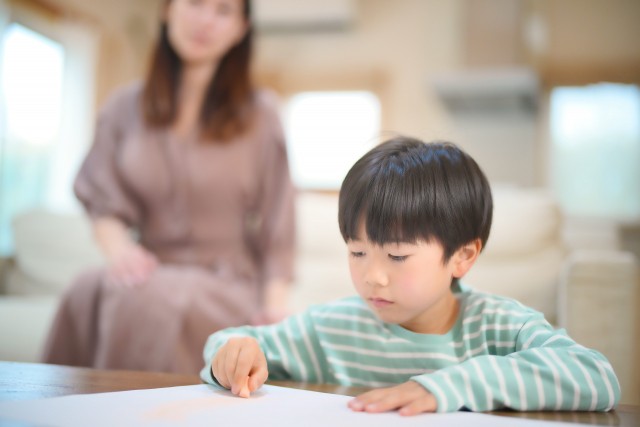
(19,381)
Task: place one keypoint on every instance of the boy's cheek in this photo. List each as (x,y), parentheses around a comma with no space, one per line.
(355,278)
(407,284)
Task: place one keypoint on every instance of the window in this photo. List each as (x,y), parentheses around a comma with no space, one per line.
(595,133)
(32,79)
(46,112)
(327,132)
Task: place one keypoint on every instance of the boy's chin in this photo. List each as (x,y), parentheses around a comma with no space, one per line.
(387,316)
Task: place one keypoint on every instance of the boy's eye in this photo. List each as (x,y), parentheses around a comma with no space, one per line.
(224,9)
(398,258)
(357,254)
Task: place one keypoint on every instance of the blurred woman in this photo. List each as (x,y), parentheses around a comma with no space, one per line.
(193,162)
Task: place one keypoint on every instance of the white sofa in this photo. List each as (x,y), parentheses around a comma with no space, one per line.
(588,292)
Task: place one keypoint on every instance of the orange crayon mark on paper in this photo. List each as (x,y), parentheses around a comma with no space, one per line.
(181,410)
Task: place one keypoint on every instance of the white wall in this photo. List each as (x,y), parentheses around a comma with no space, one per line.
(405,45)
(395,48)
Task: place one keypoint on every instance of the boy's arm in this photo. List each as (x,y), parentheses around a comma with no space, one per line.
(547,371)
(291,348)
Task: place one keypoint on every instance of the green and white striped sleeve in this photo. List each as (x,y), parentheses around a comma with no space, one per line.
(291,348)
(547,371)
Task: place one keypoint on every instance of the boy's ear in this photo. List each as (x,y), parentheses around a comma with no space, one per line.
(464,258)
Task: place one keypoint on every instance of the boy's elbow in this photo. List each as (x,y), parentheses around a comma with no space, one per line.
(617,394)
(610,393)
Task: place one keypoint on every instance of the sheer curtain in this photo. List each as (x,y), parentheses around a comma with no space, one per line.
(46,112)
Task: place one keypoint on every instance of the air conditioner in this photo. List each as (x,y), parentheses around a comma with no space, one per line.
(489,91)
(303,15)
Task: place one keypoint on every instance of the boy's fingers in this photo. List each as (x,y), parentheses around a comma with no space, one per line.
(373,401)
(236,364)
(230,362)
(219,373)
(418,406)
(414,408)
(387,402)
(369,397)
(244,365)
(244,389)
(258,377)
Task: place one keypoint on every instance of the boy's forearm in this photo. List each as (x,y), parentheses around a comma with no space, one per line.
(290,347)
(535,379)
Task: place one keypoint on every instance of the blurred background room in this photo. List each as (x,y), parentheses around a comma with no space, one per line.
(543,94)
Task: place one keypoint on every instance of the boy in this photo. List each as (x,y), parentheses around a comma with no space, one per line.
(415,217)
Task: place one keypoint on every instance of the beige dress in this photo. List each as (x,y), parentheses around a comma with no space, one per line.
(219,217)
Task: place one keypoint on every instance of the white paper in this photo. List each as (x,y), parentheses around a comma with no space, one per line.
(203,405)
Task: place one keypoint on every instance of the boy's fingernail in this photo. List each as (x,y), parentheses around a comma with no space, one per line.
(244,392)
(356,404)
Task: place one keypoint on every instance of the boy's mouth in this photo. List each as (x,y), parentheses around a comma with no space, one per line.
(380,302)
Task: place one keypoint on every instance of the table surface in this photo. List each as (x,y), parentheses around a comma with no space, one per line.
(20,381)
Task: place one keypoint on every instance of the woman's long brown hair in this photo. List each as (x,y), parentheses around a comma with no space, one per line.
(227,108)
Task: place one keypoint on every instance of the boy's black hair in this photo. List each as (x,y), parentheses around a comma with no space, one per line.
(406,190)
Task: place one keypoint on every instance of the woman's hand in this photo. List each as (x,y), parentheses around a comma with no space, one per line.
(408,398)
(129,263)
(240,365)
(132,265)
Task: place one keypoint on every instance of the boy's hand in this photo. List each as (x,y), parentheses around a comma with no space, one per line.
(240,365)
(409,398)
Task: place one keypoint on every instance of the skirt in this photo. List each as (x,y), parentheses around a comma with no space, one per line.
(161,325)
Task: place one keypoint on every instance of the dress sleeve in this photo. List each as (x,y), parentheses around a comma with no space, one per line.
(99,184)
(276,238)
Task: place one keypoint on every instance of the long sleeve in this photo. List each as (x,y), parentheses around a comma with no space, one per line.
(99,184)
(547,371)
(276,237)
(291,347)
(499,354)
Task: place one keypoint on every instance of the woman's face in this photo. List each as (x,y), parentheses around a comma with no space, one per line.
(203,31)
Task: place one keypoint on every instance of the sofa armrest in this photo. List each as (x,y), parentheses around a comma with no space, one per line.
(6,265)
(598,301)
(24,324)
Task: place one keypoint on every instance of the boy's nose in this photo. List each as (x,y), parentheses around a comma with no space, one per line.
(376,276)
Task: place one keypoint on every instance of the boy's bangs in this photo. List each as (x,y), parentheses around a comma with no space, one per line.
(406,191)
(389,204)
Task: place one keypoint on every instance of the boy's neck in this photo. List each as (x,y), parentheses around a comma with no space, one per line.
(439,319)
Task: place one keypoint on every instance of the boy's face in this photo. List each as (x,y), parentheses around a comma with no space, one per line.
(406,284)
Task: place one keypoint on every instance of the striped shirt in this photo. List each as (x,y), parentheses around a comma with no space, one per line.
(499,354)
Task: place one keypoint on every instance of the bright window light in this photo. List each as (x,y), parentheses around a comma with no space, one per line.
(595,134)
(31,97)
(327,132)
(32,67)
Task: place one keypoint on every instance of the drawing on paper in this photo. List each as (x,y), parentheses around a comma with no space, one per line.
(181,410)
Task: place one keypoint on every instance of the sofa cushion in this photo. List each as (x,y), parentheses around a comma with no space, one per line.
(322,272)
(50,250)
(532,279)
(525,221)
(317,225)
(524,254)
